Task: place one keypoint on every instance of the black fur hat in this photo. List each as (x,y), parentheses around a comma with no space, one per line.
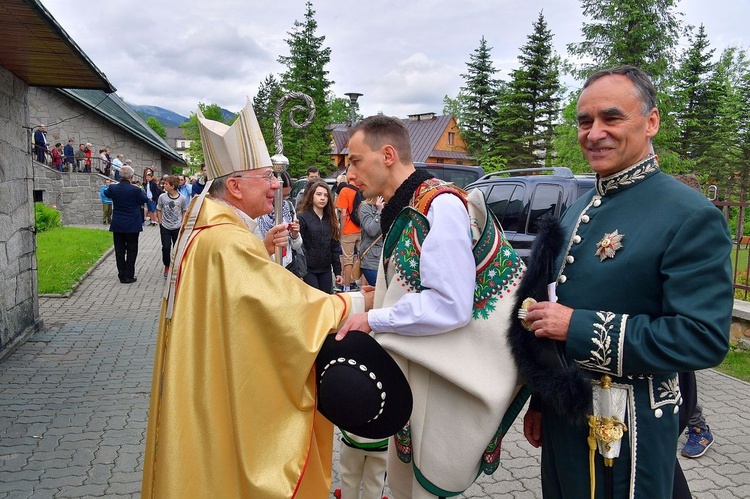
(541,362)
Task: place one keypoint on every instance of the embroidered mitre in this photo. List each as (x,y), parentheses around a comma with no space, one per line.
(235,148)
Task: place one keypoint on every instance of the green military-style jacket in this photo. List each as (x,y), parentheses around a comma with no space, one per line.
(645,266)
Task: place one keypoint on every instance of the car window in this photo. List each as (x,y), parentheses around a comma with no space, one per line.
(461,178)
(546,199)
(506,202)
(298,186)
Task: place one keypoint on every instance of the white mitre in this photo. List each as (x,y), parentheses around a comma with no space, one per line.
(228,149)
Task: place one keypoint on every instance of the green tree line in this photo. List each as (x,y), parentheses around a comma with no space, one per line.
(530,119)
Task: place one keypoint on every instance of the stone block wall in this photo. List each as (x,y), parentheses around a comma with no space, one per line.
(19,303)
(740,327)
(76,195)
(66,119)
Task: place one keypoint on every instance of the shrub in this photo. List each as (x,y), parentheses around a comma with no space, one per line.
(46,217)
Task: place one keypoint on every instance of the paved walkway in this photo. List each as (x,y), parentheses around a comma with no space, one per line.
(74,402)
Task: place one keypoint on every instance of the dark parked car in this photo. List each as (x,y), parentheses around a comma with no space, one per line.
(519,197)
(461,175)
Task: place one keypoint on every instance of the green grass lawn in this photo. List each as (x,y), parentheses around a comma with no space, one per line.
(64,254)
(737,364)
(742,258)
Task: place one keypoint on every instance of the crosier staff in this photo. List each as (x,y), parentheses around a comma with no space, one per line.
(279,161)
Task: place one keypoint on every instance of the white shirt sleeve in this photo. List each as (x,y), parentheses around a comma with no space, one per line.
(447,270)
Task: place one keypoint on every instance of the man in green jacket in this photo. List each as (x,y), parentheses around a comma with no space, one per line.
(644,291)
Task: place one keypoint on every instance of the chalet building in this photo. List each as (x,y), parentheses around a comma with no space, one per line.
(434,139)
(32,45)
(177,141)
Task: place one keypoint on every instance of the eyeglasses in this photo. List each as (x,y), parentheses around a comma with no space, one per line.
(269,176)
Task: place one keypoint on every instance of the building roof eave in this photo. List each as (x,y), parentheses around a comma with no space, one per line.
(37,49)
(113,109)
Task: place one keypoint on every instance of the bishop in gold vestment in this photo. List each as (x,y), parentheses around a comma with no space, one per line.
(233,402)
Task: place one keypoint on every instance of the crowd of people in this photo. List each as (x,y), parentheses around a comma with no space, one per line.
(314,253)
(630,290)
(85,158)
(69,158)
(130,205)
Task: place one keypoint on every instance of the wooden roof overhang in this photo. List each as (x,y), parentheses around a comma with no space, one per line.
(35,48)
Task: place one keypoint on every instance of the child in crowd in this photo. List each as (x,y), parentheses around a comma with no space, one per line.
(151,188)
(320,236)
(170,209)
(106,203)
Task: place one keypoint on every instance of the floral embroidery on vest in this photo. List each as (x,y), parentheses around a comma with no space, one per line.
(412,229)
(403,444)
(498,266)
(498,270)
(491,456)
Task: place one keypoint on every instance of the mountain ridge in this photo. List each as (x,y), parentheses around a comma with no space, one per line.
(165,116)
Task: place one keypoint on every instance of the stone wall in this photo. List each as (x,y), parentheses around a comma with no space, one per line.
(76,195)
(66,119)
(19,303)
(740,321)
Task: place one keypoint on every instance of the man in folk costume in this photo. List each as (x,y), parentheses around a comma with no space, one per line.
(443,299)
(233,402)
(644,291)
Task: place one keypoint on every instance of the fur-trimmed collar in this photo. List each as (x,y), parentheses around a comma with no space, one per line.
(401,199)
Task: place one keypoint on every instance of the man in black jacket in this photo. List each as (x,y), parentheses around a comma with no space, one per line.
(40,144)
(127,201)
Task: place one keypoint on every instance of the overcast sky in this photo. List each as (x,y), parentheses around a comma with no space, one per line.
(403,55)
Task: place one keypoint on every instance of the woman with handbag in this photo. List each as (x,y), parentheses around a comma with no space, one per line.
(372,239)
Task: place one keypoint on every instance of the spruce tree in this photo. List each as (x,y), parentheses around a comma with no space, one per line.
(476,103)
(264,104)
(694,97)
(529,107)
(643,33)
(725,160)
(306,72)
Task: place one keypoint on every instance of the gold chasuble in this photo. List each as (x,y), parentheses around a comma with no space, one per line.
(233,400)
